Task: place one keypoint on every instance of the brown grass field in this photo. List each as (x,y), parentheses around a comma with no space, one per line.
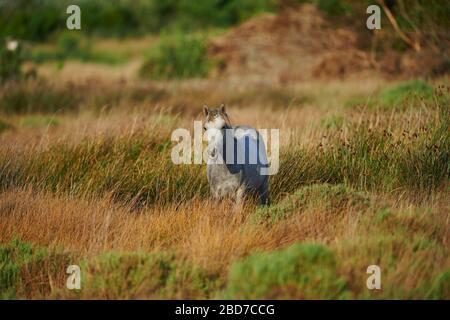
(86,176)
(358,185)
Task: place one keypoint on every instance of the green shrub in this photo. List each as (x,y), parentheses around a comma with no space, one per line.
(12,256)
(38,20)
(231,12)
(143,275)
(301,271)
(31,19)
(405,92)
(332,198)
(400,96)
(440,287)
(20,260)
(177,57)
(331,7)
(73,46)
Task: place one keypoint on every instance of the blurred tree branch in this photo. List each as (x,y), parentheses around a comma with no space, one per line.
(412,43)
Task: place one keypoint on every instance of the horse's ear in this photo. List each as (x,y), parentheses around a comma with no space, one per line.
(222,109)
(205,110)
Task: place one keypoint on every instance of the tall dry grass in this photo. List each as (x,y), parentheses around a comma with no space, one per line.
(409,242)
(97,188)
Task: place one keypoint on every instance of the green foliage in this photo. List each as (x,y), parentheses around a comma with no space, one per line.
(421,14)
(38,121)
(10,62)
(73,46)
(177,57)
(4,126)
(331,7)
(39,19)
(20,259)
(400,96)
(404,91)
(31,19)
(11,257)
(139,275)
(383,214)
(440,287)
(334,122)
(332,198)
(301,271)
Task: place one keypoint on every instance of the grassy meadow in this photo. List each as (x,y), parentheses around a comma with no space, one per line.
(86,176)
(358,185)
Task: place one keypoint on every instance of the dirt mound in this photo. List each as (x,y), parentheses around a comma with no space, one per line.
(296,44)
(300,44)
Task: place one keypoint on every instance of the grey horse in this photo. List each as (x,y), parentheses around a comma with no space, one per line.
(237,159)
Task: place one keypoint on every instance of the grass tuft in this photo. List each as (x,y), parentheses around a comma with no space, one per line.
(404,92)
(300,271)
(330,198)
(138,275)
(21,261)
(402,96)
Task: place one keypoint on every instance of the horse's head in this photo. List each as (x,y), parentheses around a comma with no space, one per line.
(216,118)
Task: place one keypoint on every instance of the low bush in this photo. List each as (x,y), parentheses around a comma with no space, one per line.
(143,275)
(73,46)
(404,95)
(177,57)
(331,198)
(440,287)
(301,271)
(21,261)
(405,92)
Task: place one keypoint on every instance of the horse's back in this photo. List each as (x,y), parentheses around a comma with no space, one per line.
(243,160)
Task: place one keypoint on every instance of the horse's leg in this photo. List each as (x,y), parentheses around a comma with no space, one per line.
(263,194)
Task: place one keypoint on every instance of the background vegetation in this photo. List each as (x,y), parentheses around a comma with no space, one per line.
(38,19)
(86,175)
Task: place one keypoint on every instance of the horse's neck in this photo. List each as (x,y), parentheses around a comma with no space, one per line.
(220,136)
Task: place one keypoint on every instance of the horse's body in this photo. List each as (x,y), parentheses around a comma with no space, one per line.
(236,164)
